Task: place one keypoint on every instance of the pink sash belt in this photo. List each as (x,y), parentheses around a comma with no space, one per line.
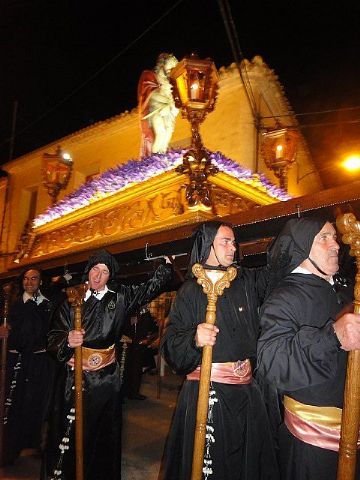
(230,372)
(319,426)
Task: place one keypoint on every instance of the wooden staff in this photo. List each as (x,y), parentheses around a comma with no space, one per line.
(6,290)
(350,421)
(213,282)
(160,316)
(75,297)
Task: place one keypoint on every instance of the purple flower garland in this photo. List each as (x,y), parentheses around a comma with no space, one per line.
(138,171)
(257,180)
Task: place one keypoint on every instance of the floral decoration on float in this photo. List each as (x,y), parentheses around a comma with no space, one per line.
(133,172)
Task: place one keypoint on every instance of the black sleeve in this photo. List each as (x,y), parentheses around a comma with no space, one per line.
(57,338)
(259,279)
(293,354)
(178,343)
(137,295)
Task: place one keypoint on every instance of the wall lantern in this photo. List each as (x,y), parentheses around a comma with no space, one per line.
(56,171)
(279,147)
(195,84)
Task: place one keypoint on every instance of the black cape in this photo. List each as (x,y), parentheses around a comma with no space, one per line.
(241,447)
(298,351)
(30,374)
(102,321)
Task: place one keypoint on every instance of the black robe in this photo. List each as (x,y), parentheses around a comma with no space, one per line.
(242,447)
(102,321)
(299,354)
(30,372)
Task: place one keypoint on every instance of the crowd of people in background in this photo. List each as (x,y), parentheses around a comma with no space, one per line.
(142,332)
(280,345)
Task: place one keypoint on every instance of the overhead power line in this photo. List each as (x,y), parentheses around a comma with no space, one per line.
(236,51)
(320,112)
(324,124)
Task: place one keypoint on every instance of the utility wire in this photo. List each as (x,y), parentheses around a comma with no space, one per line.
(230,21)
(318,124)
(236,50)
(335,110)
(94,75)
(324,124)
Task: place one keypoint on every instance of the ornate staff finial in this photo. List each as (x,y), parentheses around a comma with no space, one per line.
(214,282)
(350,229)
(76,294)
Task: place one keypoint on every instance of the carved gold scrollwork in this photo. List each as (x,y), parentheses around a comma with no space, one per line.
(350,228)
(213,281)
(111,222)
(76,294)
(227,203)
(172,200)
(119,222)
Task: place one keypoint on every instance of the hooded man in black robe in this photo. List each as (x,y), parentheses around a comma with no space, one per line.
(104,312)
(302,350)
(238,441)
(30,369)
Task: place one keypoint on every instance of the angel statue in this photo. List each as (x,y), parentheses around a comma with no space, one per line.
(156,106)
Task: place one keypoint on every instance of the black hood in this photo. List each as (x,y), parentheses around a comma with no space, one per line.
(203,238)
(102,256)
(291,247)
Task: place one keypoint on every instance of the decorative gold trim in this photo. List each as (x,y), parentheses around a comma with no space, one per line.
(131,192)
(246,189)
(151,206)
(151,186)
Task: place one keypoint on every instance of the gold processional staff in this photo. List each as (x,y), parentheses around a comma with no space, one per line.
(350,421)
(75,297)
(213,282)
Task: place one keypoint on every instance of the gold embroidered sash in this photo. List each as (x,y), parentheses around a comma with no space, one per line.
(319,426)
(93,360)
(229,372)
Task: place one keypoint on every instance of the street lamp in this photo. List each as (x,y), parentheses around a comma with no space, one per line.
(352,163)
(195,84)
(56,171)
(278,149)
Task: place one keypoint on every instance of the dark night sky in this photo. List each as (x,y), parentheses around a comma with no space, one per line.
(72,63)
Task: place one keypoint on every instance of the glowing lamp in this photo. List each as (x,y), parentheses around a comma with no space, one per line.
(56,171)
(352,163)
(278,149)
(195,84)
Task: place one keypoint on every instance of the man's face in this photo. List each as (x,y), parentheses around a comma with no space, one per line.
(31,281)
(223,248)
(325,249)
(98,276)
